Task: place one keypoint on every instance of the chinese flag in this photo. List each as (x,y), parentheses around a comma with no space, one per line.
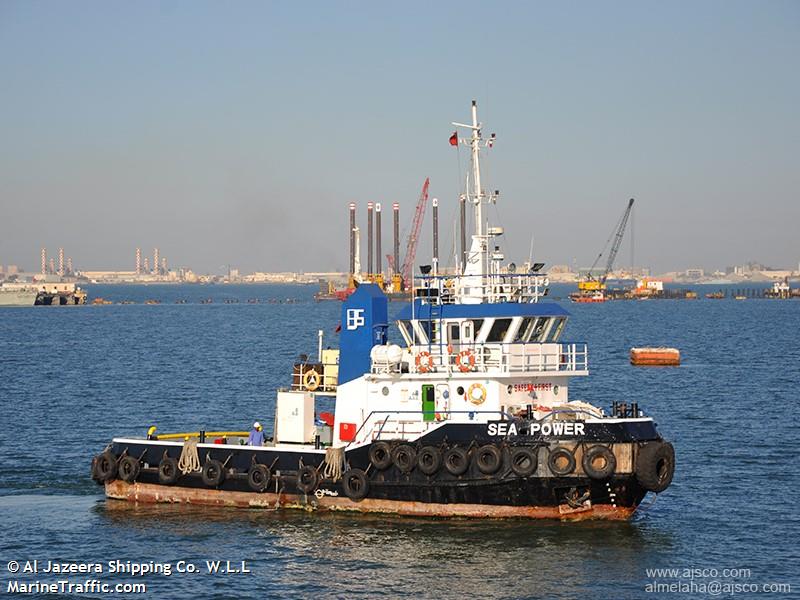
(454,139)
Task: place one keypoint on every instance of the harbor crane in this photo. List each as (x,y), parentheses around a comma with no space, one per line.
(402,277)
(592,283)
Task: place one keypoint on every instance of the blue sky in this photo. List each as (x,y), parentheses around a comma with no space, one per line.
(238,132)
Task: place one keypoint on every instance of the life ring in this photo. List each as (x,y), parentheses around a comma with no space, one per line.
(480,398)
(655,466)
(311,380)
(599,462)
(355,484)
(424,362)
(469,357)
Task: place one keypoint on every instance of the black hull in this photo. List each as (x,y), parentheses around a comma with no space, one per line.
(504,490)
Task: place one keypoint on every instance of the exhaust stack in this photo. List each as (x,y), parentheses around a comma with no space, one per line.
(369,240)
(435,261)
(396,211)
(378,261)
(352,240)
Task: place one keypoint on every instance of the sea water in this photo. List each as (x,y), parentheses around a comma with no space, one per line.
(71,378)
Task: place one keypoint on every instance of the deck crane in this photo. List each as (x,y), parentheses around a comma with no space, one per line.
(592,284)
(402,277)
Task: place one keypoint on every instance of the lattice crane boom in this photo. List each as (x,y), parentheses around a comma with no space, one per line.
(413,235)
(617,241)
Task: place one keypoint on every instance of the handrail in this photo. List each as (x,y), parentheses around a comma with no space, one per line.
(502,413)
(511,357)
(196,434)
(492,287)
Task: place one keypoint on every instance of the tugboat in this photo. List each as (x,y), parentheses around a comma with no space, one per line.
(468,416)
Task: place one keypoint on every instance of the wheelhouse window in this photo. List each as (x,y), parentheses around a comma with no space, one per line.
(476,327)
(538,326)
(498,331)
(524,330)
(555,330)
(405,331)
(431,330)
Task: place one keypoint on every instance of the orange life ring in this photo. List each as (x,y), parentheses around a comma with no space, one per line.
(467,366)
(424,362)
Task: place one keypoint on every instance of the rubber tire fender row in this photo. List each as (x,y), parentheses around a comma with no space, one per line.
(655,465)
(488,458)
(380,455)
(168,471)
(456,461)
(429,460)
(213,473)
(258,477)
(307,479)
(555,458)
(405,458)
(605,455)
(524,461)
(104,466)
(129,468)
(355,484)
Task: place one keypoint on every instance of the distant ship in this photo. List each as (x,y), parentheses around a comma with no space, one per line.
(12,294)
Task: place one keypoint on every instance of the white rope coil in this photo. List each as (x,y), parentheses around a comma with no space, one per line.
(334,460)
(189,461)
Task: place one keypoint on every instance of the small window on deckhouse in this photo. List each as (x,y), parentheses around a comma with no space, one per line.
(453,332)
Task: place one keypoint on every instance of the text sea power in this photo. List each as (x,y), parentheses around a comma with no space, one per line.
(568,428)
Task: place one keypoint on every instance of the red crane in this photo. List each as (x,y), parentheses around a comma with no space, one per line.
(413,235)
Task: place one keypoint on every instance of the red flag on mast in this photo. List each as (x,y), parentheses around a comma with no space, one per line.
(454,138)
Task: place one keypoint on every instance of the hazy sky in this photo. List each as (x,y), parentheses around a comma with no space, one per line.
(236,132)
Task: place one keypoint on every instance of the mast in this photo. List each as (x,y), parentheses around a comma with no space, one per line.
(476,260)
(477,194)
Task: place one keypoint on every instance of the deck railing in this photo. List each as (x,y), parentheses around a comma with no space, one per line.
(409,424)
(493,358)
(491,288)
(315,377)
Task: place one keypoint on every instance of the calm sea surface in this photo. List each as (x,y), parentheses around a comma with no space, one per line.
(71,378)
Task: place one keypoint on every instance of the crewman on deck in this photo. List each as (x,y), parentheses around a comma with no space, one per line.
(256,437)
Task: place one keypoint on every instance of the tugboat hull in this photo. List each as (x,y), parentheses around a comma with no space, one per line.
(154,493)
(442,474)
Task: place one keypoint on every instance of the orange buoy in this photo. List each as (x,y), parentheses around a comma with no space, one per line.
(655,357)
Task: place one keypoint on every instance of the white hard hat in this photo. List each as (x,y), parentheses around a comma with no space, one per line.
(256,425)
